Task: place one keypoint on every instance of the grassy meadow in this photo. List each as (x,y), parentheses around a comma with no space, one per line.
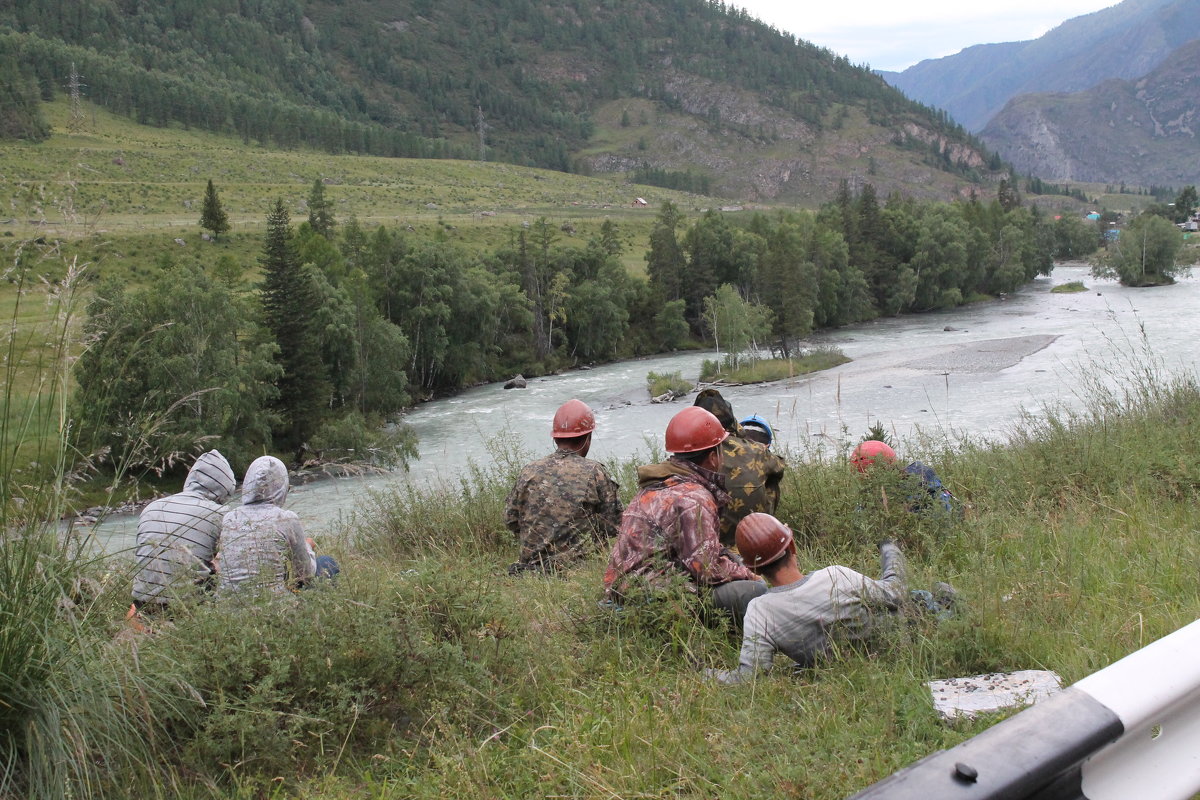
(115,179)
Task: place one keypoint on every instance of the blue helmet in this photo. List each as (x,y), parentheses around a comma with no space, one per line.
(755,421)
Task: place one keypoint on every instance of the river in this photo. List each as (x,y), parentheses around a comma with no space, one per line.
(970,371)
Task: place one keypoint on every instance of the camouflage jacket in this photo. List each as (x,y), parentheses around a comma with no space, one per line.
(752,475)
(671,526)
(559,506)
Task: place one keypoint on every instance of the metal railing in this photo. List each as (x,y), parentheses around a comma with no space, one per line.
(1128,732)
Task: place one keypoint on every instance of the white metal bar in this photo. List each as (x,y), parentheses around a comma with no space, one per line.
(1155,692)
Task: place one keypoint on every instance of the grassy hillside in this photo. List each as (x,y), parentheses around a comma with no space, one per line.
(753,109)
(120,178)
(427,672)
(116,199)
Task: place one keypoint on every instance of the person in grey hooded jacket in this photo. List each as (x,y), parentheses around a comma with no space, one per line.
(262,544)
(177,536)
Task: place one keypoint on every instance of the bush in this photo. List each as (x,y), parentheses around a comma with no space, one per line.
(288,686)
(365,440)
(672,382)
(764,370)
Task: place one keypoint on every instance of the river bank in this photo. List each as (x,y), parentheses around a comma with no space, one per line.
(1000,361)
(428,672)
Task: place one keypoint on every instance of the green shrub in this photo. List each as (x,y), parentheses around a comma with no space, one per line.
(1069,288)
(764,370)
(358,439)
(668,382)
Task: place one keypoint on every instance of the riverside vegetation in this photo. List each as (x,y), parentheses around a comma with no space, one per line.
(204,341)
(425,671)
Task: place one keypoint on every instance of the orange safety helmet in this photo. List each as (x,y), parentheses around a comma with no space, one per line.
(762,539)
(573,418)
(865,454)
(693,430)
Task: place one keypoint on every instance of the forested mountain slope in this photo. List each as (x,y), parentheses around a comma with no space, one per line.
(1140,132)
(1125,41)
(685,93)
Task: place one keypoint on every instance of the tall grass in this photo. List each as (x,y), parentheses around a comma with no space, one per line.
(68,698)
(765,370)
(1078,548)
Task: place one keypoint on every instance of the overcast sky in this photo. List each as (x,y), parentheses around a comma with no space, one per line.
(893,35)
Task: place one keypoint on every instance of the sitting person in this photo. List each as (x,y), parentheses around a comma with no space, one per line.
(757,429)
(752,472)
(801,615)
(565,504)
(872,452)
(670,528)
(177,537)
(262,544)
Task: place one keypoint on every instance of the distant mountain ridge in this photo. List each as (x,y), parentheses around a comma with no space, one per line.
(686,93)
(1141,132)
(1125,41)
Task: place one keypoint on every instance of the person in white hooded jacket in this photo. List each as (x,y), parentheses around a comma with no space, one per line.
(262,544)
(177,536)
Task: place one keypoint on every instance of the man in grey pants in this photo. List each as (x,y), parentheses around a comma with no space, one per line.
(800,615)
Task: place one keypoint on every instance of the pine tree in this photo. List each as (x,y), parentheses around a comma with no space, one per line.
(213,217)
(320,210)
(665,263)
(289,302)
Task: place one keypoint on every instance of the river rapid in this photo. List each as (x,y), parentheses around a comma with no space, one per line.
(971,371)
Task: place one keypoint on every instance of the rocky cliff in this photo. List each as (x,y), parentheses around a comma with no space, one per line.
(1140,132)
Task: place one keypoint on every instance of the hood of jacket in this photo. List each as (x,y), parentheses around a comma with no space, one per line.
(211,477)
(714,482)
(266,481)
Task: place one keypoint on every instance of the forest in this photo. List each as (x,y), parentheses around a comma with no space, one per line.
(422,79)
(348,326)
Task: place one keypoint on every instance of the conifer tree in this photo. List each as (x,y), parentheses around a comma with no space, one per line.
(320,210)
(289,302)
(213,217)
(665,262)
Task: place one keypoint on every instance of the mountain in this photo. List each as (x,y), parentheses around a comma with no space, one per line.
(1141,132)
(1125,41)
(686,94)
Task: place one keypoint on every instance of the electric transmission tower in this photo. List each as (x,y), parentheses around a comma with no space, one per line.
(481,127)
(77,120)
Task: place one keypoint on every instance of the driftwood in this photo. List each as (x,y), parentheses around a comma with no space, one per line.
(667,396)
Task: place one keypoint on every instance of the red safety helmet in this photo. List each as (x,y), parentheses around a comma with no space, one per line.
(693,430)
(865,454)
(573,418)
(762,539)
